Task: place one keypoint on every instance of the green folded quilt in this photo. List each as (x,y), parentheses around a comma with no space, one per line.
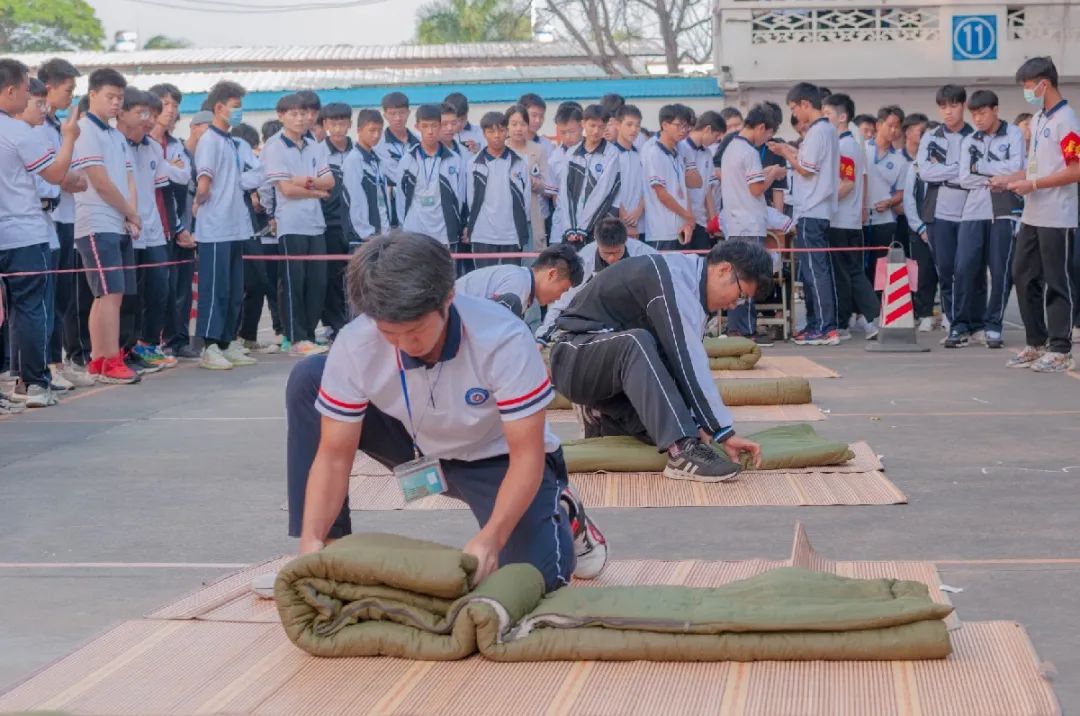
(386,595)
(732,353)
(775,391)
(782,448)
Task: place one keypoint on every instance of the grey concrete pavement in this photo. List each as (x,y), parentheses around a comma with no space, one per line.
(189,467)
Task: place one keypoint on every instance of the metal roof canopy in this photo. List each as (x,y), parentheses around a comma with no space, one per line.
(495,92)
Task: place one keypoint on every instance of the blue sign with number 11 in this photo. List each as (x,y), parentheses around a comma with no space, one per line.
(974,37)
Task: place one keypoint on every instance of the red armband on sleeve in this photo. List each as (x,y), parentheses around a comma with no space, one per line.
(847,169)
(1070,147)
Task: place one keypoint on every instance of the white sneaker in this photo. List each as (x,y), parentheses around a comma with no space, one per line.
(58,381)
(845,334)
(872,330)
(590,546)
(10,407)
(257,347)
(263,585)
(235,354)
(926,325)
(307,348)
(34,396)
(861,324)
(978,337)
(77,375)
(213,359)
(238,345)
(945,324)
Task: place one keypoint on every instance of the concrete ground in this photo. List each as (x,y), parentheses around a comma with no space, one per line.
(174,482)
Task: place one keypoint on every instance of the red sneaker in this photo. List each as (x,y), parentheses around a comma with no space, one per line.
(94,367)
(113,370)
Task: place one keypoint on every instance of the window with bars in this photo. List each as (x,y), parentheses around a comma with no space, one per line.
(774,27)
(1015,22)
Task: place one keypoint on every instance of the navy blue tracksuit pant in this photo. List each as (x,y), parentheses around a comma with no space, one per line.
(982,245)
(28,337)
(542,538)
(944,236)
(221,291)
(815,272)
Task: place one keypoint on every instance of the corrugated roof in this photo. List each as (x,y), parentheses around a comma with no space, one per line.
(333,54)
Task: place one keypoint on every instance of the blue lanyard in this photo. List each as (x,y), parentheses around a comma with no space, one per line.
(408,403)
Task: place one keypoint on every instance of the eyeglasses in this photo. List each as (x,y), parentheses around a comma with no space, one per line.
(743,298)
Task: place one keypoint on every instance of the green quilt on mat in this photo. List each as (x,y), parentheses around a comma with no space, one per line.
(379,594)
(782,448)
(769,391)
(732,353)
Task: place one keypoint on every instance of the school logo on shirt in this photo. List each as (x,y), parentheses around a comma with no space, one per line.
(1003,148)
(153,163)
(451,170)
(599,168)
(1046,133)
(890,165)
(476,396)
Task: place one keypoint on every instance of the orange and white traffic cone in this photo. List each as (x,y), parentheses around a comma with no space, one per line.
(897,334)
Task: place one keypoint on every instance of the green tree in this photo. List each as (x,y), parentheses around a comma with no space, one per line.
(446,21)
(164,42)
(49,25)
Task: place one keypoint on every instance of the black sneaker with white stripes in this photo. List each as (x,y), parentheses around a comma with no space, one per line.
(689,459)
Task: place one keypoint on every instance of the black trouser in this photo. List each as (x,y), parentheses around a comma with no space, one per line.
(65,288)
(700,239)
(622,376)
(854,291)
(877,235)
(302,286)
(28,340)
(153,285)
(1041,267)
(335,311)
(273,269)
(923,297)
(257,286)
(178,300)
(76,319)
(482,248)
(944,235)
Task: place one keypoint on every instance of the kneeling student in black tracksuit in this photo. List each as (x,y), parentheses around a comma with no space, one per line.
(629,349)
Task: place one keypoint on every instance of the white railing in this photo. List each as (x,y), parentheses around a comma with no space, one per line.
(771,27)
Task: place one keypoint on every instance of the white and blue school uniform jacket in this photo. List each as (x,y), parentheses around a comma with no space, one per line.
(989,155)
(432,190)
(589,188)
(939,167)
(497,188)
(366,192)
(489,373)
(391,151)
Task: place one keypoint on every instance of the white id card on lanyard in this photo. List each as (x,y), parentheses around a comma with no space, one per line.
(428,192)
(421,476)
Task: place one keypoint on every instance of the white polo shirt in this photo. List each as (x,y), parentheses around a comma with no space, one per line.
(698,157)
(848,214)
(147,162)
(64,213)
(632,189)
(885,176)
(819,152)
(489,373)
(492,281)
(99,145)
(663,167)
(283,159)
(23,153)
(1055,142)
(224,216)
(743,213)
(472,133)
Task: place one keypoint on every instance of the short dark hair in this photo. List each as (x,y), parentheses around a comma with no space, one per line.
(335,110)
(288,102)
(776,110)
(1038,68)
(400,277)
(429,113)
(447,108)
(612,102)
(247,133)
(134,98)
(610,232)
(309,100)
(568,113)
(728,113)
(57,70)
(981,99)
(222,92)
(37,88)
(950,94)
(165,89)
(842,103)
(153,102)
(105,77)
(596,112)
(890,110)
(516,109)
(569,103)
(861,119)
(751,263)
(368,116)
(531,99)
(824,91)
(913,120)
(674,113)
(711,120)
(564,258)
(395,100)
(493,119)
(269,128)
(459,102)
(804,92)
(759,115)
(12,72)
(1023,117)
(628,110)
